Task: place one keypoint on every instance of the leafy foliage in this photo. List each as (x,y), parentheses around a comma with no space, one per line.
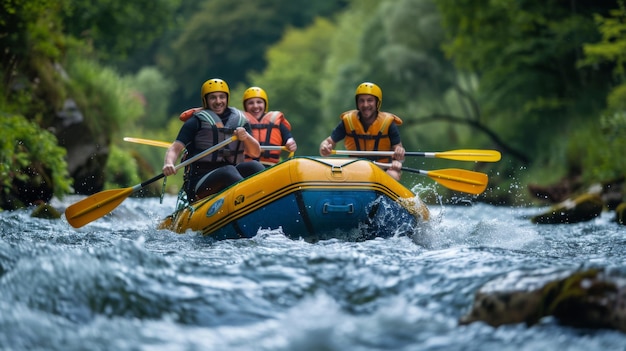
(155,91)
(23,143)
(29,28)
(532,90)
(292,80)
(525,54)
(605,161)
(106,98)
(121,169)
(227,39)
(115,27)
(31,39)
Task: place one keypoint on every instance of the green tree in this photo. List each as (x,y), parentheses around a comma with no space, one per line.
(117,28)
(105,96)
(30,158)
(228,39)
(606,161)
(397,44)
(524,54)
(155,91)
(291,80)
(32,40)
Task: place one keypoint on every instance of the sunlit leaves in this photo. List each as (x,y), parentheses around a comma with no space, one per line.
(612,47)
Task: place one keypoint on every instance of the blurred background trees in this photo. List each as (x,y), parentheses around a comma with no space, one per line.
(543,82)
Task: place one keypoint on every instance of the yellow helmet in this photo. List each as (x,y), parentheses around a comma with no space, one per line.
(255,92)
(211,86)
(370,89)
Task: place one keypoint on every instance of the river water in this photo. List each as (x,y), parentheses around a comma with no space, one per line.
(120,284)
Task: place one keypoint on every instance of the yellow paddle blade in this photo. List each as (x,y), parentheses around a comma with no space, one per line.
(460,180)
(469,155)
(95,206)
(148,142)
(98,205)
(452,178)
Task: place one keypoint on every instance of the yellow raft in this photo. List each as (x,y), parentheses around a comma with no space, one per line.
(309,198)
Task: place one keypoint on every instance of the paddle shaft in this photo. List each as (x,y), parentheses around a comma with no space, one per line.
(165,144)
(189,161)
(202,154)
(98,205)
(459,155)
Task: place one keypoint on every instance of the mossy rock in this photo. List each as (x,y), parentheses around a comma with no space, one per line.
(515,297)
(46,211)
(581,209)
(585,299)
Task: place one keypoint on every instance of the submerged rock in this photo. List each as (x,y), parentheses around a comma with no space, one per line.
(620,213)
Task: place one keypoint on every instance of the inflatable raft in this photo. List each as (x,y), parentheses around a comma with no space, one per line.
(309,198)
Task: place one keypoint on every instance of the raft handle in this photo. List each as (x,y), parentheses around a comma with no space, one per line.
(328,208)
(336,169)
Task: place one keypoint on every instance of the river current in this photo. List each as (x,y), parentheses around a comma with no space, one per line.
(118,283)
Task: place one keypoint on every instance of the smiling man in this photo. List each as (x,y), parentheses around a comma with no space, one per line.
(207,127)
(369,129)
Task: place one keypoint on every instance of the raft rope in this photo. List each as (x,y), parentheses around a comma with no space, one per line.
(162,191)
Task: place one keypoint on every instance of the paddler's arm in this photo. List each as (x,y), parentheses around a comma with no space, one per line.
(251,146)
(398,157)
(171,155)
(327,146)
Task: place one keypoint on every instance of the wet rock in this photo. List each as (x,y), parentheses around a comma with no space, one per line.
(613,192)
(584,299)
(513,298)
(560,191)
(620,213)
(32,186)
(571,209)
(87,150)
(46,211)
(583,208)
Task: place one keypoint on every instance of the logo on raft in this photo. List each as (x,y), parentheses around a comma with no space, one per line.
(215,207)
(239,200)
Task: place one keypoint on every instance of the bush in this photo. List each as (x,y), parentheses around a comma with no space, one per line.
(23,144)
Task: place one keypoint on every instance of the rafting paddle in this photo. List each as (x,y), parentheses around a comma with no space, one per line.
(452,178)
(166,144)
(159,143)
(458,155)
(100,204)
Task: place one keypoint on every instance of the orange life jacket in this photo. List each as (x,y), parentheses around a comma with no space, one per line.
(267,132)
(377,136)
(185,115)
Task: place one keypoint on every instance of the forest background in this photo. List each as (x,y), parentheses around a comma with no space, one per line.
(543,82)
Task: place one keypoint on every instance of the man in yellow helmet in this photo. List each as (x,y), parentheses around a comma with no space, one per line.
(269,128)
(369,129)
(206,127)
